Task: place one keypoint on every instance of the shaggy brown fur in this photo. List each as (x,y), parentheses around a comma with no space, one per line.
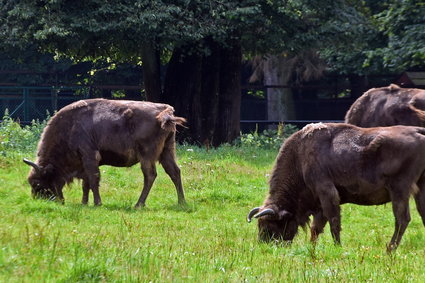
(388,106)
(325,165)
(89,133)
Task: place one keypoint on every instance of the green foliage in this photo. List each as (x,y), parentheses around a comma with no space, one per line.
(352,54)
(95,29)
(386,37)
(257,93)
(268,139)
(17,138)
(403,24)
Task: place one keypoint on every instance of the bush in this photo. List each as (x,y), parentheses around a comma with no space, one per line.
(17,138)
(268,139)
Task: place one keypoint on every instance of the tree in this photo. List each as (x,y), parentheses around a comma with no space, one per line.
(404,28)
(202,43)
(388,37)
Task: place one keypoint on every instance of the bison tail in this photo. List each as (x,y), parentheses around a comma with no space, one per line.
(168,121)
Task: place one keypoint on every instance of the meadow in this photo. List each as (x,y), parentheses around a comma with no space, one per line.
(208,240)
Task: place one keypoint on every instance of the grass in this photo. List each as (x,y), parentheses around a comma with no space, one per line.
(207,241)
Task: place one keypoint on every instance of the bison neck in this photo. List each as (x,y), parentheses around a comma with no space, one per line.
(286,183)
(288,190)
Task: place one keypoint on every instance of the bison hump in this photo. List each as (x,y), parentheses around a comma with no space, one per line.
(309,129)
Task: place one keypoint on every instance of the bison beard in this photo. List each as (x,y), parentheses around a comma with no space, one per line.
(326,165)
(89,133)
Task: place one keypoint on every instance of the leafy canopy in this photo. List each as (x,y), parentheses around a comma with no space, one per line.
(117,29)
(389,36)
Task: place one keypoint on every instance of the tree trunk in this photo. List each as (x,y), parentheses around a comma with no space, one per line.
(206,91)
(182,90)
(228,124)
(210,93)
(280,102)
(151,72)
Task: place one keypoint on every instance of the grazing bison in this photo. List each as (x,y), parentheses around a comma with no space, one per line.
(325,165)
(89,133)
(388,106)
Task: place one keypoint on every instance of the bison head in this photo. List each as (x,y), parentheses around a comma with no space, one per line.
(274,224)
(40,180)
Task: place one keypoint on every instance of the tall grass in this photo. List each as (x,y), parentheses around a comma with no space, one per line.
(14,138)
(207,241)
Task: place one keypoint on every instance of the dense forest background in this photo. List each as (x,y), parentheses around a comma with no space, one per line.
(190,53)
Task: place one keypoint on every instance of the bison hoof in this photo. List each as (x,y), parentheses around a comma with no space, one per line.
(391,247)
(139,205)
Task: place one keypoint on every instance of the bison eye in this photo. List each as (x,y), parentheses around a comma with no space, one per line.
(37,186)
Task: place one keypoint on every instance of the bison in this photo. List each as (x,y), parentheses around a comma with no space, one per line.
(388,106)
(89,133)
(325,165)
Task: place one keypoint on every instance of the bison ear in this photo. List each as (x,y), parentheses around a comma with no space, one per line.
(284,214)
(48,169)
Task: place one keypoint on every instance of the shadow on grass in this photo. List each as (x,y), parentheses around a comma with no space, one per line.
(74,210)
(188,207)
(129,208)
(87,273)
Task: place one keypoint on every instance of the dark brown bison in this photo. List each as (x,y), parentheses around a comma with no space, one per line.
(89,133)
(388,106)
(325,165)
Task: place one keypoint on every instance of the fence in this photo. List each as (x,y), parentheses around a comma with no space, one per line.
(313,104)
(29,103)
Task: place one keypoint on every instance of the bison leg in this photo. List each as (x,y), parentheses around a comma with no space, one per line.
(420,199)
(94,185)
(420,204)
(86,190)
(59,193)
(402,219)
(319,222)
(149,175)
(92,173)
(329,200)
(172,169)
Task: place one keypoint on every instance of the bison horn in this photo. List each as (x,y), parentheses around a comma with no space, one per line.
(252,213)
(30,163)
(267,211)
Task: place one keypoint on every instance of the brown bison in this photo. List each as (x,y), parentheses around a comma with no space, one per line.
(325,165)
(388,106)
(89,133)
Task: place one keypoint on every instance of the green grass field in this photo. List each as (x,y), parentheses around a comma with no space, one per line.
(207,241)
